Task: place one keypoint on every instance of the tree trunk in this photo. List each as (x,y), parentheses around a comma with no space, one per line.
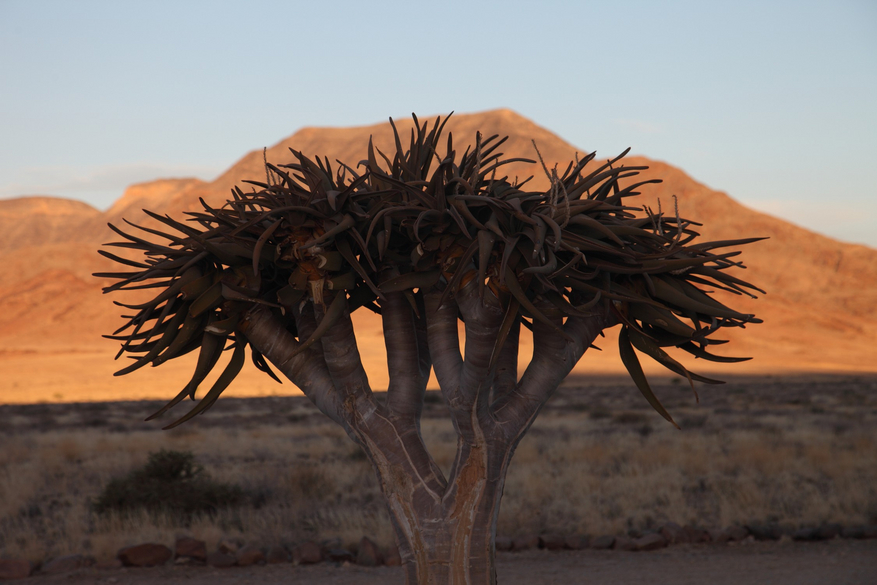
(445,537)
(445,528)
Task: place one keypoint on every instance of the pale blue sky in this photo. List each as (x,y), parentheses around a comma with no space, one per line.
(774,103)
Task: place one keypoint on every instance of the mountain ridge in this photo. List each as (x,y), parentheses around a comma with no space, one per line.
(820,311)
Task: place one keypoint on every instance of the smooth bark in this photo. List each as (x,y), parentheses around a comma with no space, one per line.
(445,527)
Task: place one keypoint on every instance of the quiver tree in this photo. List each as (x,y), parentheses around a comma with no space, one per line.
(426,239)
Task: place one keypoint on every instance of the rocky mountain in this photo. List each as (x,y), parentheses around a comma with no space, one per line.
(820,311)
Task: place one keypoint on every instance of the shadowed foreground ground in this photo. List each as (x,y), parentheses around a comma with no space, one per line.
(794,451)
(841,562)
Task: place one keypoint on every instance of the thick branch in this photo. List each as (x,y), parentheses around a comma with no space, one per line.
(307,370)
(506,377)
(553,359)
(344,363)
(444,342)
(482,318)
(408,377)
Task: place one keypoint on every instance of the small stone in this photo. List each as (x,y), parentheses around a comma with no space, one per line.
(368,554)
(765,531)
(14,569)
(804,534)
(603,542)
(576,542)
(624,543)
(145,555)
(828,531)
(340,555)
(250,555)
(733,534)
(393,558)
(525,542)
(552,541)
(228,546)
(650,542)
(277,554)
(190,548)
(221,560)
(66,564)
(307,553)
(503,543)
(853,532)
(674,534)
(696,535)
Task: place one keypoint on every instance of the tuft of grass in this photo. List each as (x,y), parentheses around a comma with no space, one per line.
(170,483)
(753,460)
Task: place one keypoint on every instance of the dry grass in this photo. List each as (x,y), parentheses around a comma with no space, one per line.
(597,461)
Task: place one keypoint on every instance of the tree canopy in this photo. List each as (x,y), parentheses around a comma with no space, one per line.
(312,236)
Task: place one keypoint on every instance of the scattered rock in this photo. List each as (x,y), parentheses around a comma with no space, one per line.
(804,534)
(503,543)
(393,558)
(525,542)
(190,548)
(307,553)
(331,543)
(674,534)
(603,542)
(552,541)
(828,531)
(108,565)
(576,542)
(731,534)
(145,555)
(853,531)
(277,554)
(14,569)
(696,535)
(650,542)
(624,543)
(368,555)
(229,547)
(221,560)
(250,555)
(340,555)
(66,564)
(765,531)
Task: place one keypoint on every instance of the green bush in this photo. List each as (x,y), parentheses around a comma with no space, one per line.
(170,482)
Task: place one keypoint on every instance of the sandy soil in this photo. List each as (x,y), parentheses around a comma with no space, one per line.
(841,562)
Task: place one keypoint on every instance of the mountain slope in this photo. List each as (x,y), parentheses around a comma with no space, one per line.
(820,311)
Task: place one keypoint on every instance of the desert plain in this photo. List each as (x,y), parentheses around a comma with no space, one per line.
(789,441)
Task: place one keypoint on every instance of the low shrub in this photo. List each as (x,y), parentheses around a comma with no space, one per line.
(172,483)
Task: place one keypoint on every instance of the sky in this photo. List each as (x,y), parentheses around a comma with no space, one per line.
(774,103)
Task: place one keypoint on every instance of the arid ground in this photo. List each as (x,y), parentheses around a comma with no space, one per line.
(838,562)
(794,451)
